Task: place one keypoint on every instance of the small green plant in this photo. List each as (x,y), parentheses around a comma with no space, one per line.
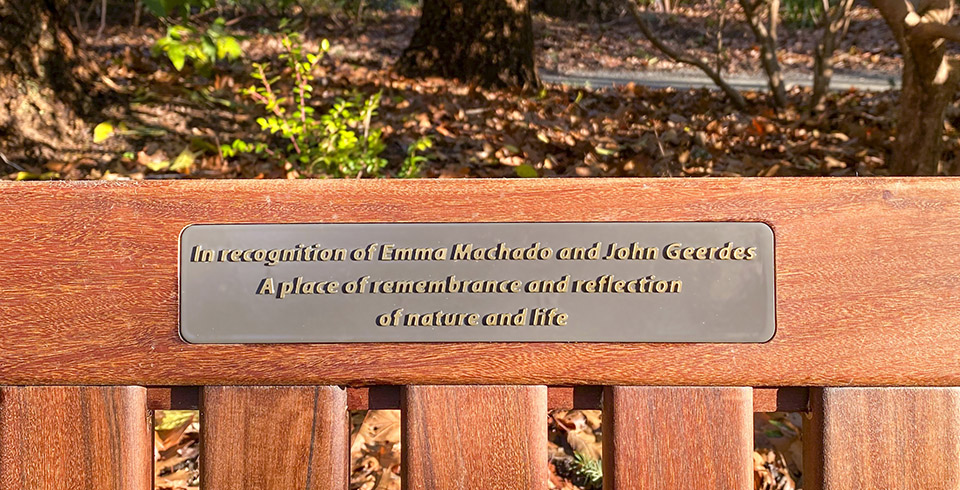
(411,164)
(339,143)
(802,13)
(591,470)
(203,49)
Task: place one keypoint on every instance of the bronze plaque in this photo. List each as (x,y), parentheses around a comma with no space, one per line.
(477,282)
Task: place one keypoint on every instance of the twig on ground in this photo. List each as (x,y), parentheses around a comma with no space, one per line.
(12,164)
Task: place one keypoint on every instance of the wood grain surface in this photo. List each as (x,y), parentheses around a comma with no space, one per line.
(274,438)
(884,438)
(471,437)
(75,438)
(663,438)
(868,290)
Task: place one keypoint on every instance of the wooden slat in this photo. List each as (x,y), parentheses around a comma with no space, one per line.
(107,297)
(786,399)
(666,438)
(274,438)
(889,438)
(469,437)
(75,438)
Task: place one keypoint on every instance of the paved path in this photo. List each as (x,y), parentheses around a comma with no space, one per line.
(873,82)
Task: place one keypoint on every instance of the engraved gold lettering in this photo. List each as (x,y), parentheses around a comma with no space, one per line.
(468,251)
(266,286)
(724,253)
(201,255)
(286,287)
(672,251)
(273,257)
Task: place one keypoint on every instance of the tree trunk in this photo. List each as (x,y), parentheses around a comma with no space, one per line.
(927,91)
(486,42)
(930,81)
(40,93)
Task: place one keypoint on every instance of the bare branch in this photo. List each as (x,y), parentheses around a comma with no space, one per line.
(767,38)
(930,31)
(676,55)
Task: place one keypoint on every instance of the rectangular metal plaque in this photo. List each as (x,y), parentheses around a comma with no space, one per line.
(477,282)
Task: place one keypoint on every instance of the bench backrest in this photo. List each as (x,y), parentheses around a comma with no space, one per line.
(867,343)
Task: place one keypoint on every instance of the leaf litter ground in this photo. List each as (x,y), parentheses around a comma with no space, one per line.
(170,125)
(573,449)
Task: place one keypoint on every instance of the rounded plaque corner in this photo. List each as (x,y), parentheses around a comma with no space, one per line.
(767,227)
(773,333)
(188,337)
(183,231)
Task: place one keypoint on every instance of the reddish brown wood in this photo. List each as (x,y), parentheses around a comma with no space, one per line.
(69,438)
(467,437)
(173,398)
(786,399)
(579,397)
(274,438)
(867,285)
(889,438)
(663,438)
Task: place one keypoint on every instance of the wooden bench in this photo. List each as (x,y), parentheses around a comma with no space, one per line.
(867,343)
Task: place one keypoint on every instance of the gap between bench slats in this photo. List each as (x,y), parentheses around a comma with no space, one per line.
(776,399)
(69,438)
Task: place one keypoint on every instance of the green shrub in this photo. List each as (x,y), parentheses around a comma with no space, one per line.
(338,143)
(591,470)
(203,49)
(411,164)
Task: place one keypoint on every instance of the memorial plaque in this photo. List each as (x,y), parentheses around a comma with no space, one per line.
(477,282)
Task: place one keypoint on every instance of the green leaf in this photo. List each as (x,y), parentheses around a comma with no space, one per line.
(325,45)
(173,419)
(156,7)
(32,176)
(27,176)
(184,160)
(177,55)
(102,132)
(158,165)
(208,50)
(526,171)
(228,48)
(604,151)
